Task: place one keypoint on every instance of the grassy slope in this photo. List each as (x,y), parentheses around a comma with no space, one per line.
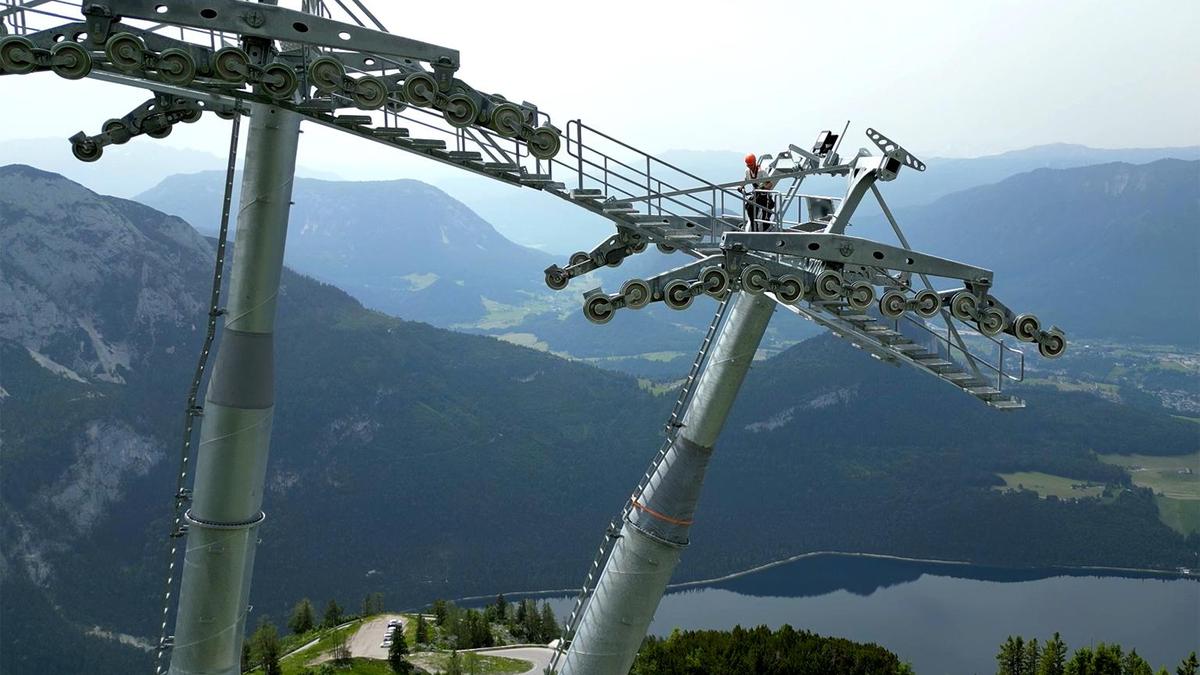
(1176,484)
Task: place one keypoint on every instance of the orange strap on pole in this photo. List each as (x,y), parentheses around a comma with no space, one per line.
(665,518)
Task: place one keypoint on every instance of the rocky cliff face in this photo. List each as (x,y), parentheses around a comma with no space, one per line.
(91,287)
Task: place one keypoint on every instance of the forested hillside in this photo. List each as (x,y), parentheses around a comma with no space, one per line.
(423,463)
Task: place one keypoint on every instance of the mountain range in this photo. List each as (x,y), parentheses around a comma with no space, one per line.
(1095,250)
(426,463)
(408,249)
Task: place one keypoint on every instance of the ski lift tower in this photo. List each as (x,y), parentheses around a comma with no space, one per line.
(876,295)
(329,67)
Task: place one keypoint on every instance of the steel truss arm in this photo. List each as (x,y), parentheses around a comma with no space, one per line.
(282,24)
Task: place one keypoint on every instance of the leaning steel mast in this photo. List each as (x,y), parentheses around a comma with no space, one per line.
(655,529)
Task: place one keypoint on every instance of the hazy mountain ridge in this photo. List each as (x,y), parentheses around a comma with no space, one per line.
(1103,251)
(409,249)
(126,170)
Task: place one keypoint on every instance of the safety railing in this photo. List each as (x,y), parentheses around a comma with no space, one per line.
(627,174)
(946,345)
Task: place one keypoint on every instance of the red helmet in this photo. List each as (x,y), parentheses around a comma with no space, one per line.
(751,160)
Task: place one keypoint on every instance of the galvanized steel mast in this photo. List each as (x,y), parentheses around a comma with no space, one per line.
(655,530)
(235,434)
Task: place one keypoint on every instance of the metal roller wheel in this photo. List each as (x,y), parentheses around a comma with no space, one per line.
(991,321)
(17,56)
(231,64)
(191,116)
(326,74)
(1052,345)
(892,304)
(117,132)
(544,143)
(637,293)
(579,257)
(676,295)
(715,280)
(420,89)
(755,279)
(279,81)
(928,304)
(176,66)
(557,279)
(861,295)
(638,246)
(829,285)
(1026,327)
(460,110)
(664,248)
(225,115)
(789,289)
(70,61)
(370,93)
(87,151)
(598,309)
(507,120)
(126,52)
(964,306)
(160,133)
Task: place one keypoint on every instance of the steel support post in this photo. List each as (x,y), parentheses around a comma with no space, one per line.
(235,434)
(653,536)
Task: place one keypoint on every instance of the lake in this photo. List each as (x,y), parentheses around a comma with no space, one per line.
(943,618)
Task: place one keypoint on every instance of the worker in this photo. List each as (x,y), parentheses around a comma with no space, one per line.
(760,203)
(749,192)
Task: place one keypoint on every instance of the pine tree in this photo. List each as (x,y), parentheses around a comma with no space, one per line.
(1189,666)
(264,647)
(1011,657)
(1134,664)
(440,612)
(501,608)
(1029,659)
(333,615)
(1054,657)
(397,652)
(422,632)
(531,627)
(520,619)
(1081,662)
(303,617)
(549,624)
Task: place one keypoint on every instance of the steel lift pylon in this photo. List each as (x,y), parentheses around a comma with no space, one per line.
(340,68)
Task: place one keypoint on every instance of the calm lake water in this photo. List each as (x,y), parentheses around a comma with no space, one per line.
(945,619)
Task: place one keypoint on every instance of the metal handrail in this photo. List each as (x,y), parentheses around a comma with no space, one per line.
(1001,347)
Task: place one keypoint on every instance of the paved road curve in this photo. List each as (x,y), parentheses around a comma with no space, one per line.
(538,656)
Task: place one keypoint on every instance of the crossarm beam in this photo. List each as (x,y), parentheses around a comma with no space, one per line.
(837,248)
(279,23)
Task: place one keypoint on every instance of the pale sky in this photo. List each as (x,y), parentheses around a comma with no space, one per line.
(945,78)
